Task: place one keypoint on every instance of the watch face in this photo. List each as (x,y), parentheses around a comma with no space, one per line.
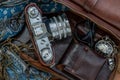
(105,47)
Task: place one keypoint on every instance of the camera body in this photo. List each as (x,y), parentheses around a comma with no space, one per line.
(43,33)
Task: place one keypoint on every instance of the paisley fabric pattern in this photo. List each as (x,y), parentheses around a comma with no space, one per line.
(9,12)
(31,74)
(16,69)
(9,24)
(47,6)
(11,27)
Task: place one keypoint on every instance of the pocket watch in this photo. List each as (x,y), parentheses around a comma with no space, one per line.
(106,47)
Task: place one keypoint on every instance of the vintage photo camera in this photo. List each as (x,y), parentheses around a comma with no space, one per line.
(43,33)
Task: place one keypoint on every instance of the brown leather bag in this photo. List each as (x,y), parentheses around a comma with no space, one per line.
(83,63)
(72,67)
(104,13)
(107,10)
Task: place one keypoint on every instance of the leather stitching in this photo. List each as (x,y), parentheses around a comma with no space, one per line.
(89,5)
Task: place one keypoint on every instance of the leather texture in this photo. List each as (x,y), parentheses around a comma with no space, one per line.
(60,48)
(78,24)
(39,66)
(81,60)
(116,76)
(104,73)
(108,10)
(104,13)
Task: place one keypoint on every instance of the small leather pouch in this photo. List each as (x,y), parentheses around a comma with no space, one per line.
(104,73)
(82,62)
